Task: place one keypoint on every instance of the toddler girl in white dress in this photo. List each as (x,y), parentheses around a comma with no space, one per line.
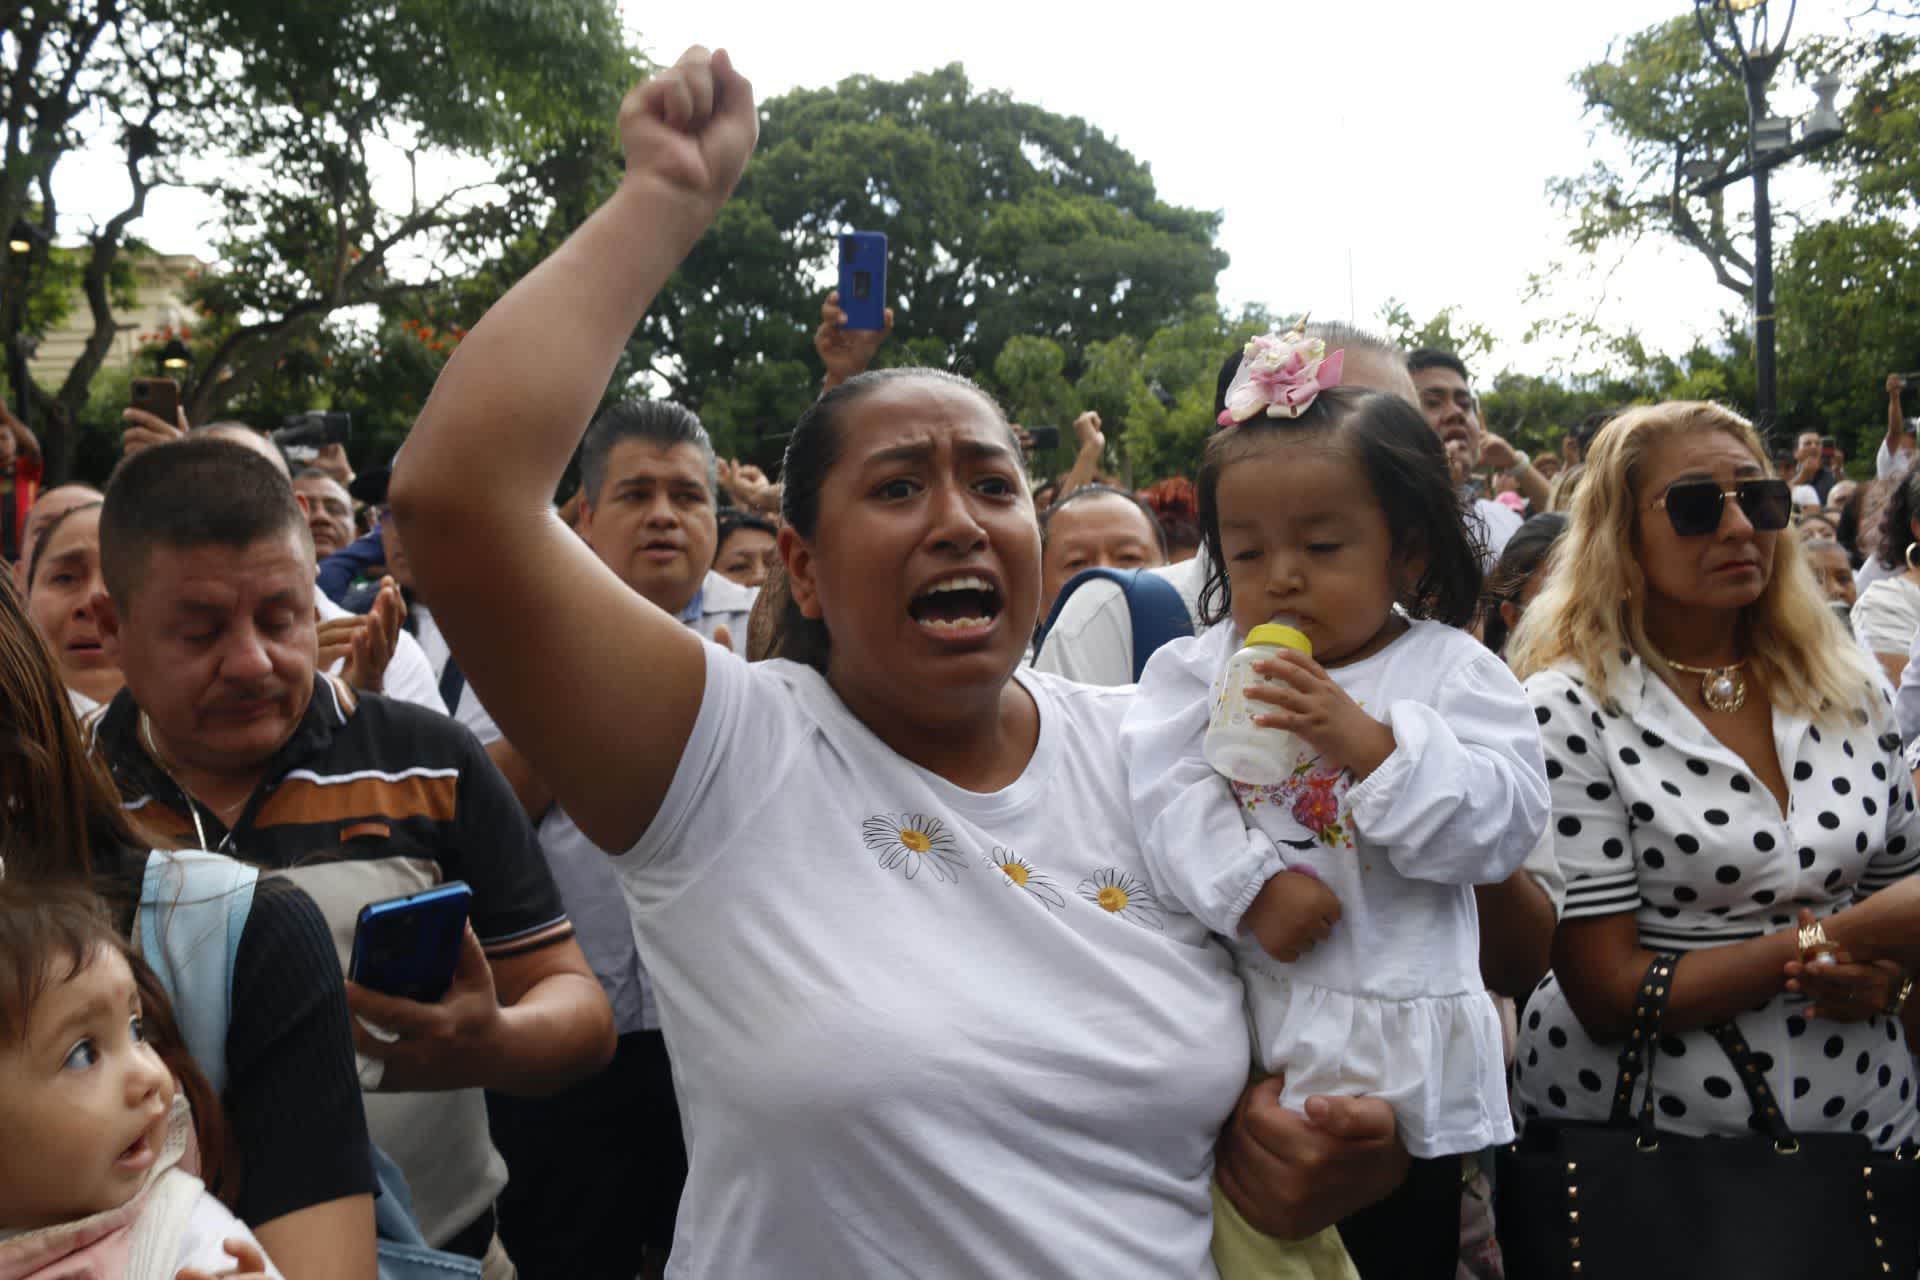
(1346,890)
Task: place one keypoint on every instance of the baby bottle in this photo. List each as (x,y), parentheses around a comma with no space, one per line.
(1237,747)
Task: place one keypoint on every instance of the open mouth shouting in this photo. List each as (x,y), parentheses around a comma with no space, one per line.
(961,606)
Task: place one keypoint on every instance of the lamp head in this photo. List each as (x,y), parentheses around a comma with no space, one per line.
(1823,124)
(175,356)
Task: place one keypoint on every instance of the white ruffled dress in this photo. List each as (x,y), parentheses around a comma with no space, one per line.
(1392,1004)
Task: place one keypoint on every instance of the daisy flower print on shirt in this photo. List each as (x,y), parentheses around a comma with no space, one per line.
(911,842)
(1021,874)
(1123,895)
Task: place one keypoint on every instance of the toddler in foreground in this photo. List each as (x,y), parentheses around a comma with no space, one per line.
(93,1105)
(1412,767)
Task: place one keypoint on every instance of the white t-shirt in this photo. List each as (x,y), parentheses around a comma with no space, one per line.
(1906,702)
(1498,522)
(893,1058)
(1887,616)
(1092,639)
(1888,465)
(723,603)
(410,677)
(1870,572)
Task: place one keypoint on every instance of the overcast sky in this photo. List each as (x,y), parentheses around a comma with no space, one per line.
(1359,151)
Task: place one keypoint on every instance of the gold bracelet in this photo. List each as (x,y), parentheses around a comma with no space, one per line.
(1815,943)
(1899,1001)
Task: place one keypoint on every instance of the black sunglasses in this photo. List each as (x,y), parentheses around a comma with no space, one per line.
(1695,506)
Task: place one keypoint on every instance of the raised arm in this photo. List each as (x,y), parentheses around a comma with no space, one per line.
(596,687)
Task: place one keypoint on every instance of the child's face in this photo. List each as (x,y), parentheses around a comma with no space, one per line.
(1302,535)
(83,1101)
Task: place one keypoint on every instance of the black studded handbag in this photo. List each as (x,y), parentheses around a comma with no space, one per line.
(1622,1199)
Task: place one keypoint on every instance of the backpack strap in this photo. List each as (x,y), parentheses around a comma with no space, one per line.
(193,907)
(1154,608)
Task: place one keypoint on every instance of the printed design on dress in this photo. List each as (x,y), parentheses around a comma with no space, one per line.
(911,842)
(1127,896)
(1021,874)
(1314,795)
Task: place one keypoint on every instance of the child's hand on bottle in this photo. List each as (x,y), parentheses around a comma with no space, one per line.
(1291,913)
(1307,702)
(691,127)
(249,1264)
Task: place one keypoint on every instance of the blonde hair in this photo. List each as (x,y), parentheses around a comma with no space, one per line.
(1591,611)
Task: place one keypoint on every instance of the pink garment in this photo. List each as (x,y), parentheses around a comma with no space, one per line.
(98,1247)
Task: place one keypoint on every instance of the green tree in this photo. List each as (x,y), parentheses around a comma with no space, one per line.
(1446,331)
(1166,433)
(1003,220)
(1663,100)
(1844,309)
(300,107)
(1849,315)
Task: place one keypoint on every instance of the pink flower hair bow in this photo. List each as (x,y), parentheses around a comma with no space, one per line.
(1282,375)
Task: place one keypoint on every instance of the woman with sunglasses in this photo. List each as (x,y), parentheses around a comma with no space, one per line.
(1723,774)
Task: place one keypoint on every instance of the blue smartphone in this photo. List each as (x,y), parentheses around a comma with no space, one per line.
(409,946)
(863,279)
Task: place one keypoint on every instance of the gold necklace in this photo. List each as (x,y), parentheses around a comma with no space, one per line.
(1723,689)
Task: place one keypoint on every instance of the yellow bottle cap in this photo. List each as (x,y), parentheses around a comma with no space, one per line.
(1280,636)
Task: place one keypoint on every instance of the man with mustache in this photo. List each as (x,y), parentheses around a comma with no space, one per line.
(227,738)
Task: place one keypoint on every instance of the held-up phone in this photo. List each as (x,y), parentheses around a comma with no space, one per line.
(1044,438)
(159,397)
(409,946)
(863,279)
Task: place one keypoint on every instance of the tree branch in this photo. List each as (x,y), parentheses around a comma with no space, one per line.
(105,246)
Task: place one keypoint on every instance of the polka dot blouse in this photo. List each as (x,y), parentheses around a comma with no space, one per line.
(1655,816)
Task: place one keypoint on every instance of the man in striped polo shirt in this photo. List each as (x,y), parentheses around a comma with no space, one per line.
(227,738)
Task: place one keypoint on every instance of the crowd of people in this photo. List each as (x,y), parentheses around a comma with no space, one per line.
(856,889)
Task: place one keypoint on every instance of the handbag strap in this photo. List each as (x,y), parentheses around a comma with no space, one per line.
(1766,1108)
(1638,1053)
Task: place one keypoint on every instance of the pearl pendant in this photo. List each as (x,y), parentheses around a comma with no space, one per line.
(1723,690)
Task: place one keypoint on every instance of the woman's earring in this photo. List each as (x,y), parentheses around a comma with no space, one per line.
(1910,550)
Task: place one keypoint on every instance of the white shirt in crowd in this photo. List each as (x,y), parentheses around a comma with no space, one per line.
(1887,615)
(590,892)
(410,676)
(722,602)
(1498,523)
(1092,639)
(918,1030)
(1870,572)
(1392,1003)
(1888,465)
(1906,703)
(582,870)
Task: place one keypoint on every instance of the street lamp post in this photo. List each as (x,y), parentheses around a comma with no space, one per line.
(1739,35)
